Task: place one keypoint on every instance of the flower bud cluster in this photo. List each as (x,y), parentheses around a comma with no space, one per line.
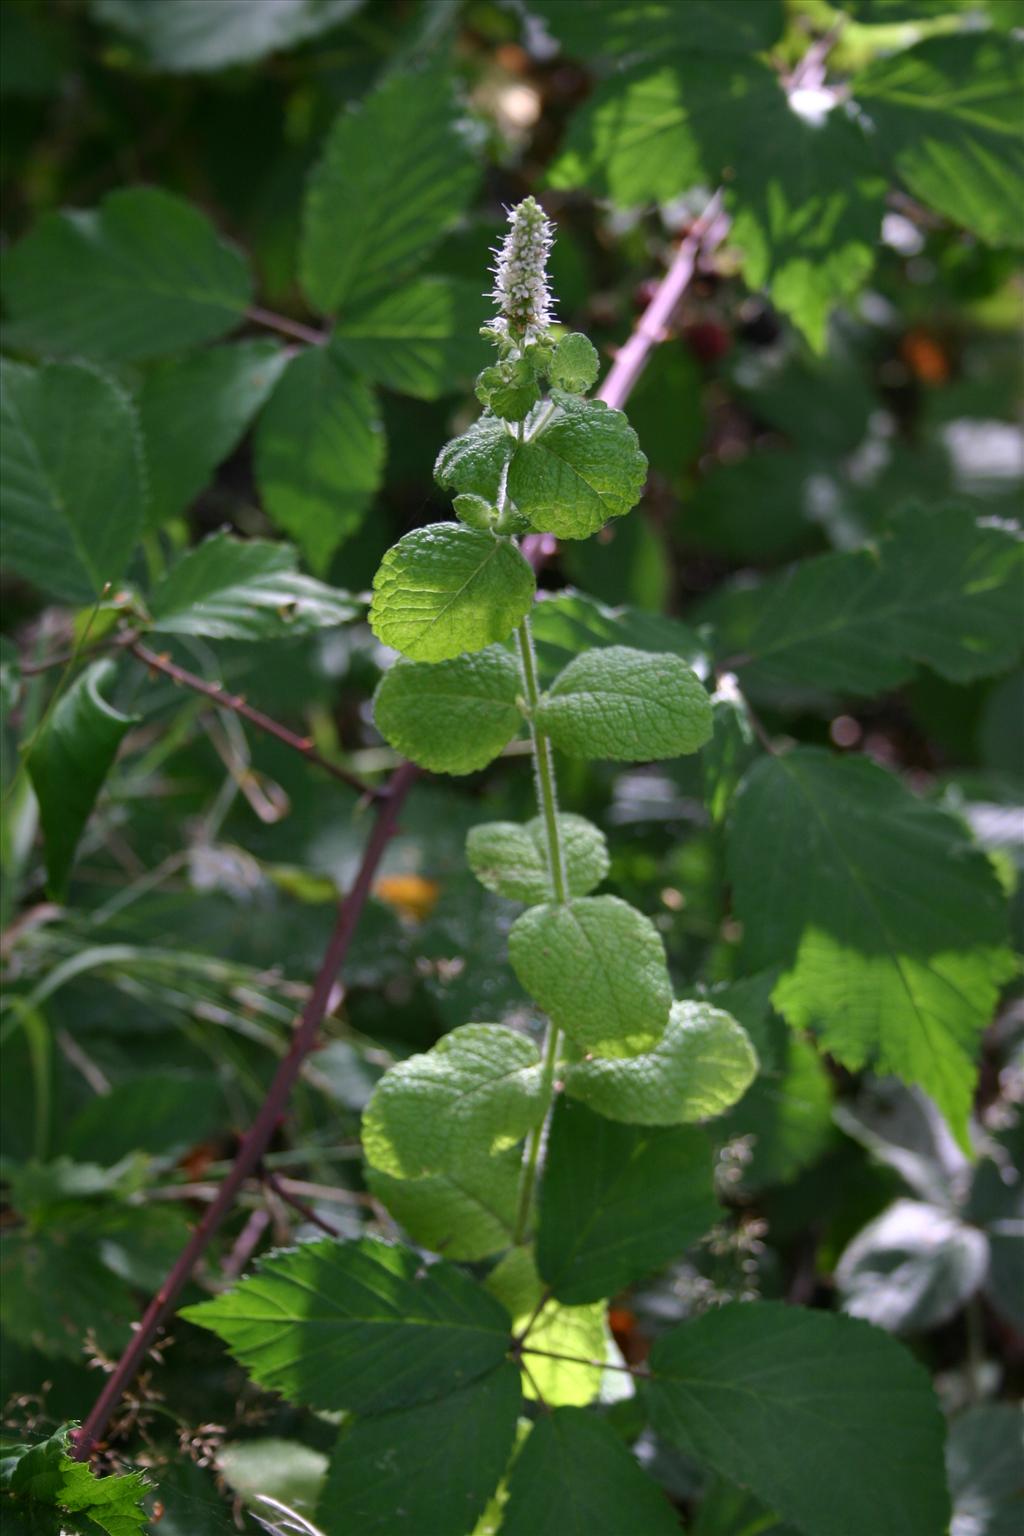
(521,289)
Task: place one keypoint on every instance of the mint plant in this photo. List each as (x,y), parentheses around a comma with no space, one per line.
(567,1168)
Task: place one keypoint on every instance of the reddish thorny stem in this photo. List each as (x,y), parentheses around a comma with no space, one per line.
(622,377)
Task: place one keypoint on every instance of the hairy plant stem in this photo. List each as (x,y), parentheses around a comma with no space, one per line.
(547,800)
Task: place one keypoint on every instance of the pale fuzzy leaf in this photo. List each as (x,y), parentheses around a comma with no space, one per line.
(451,716)
(446,589)
(626,705)
(583,467)
(703,1063)
(597,967)
(511,859)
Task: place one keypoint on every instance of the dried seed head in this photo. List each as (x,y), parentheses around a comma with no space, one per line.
(520,275)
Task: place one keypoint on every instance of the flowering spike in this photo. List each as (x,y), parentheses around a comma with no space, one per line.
(520,275)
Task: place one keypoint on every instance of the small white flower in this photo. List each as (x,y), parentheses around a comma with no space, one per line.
(520,275)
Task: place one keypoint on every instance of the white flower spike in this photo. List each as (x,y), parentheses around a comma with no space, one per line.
(520,275)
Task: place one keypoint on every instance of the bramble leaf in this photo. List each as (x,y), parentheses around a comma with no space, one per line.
(510,858)
(142,275)
(447,589)
(421,338)
(68,763)
(940,588)
(184,36)
(450,716)
(607,29)
(583,467)
(618,1201)
(626,705)
(431,1468)
(233,589)
(703,1063)
(193,412)
(357,1325)
(764,1393)
(43,1478)
(319,453)
(575,1473)
(879,973)
(947,119)
(72,475)
(597,967)
(394,176)
(567,1331)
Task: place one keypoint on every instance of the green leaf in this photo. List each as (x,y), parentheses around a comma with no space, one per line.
(654,130)
(69,761)
(583,467)
(947,119)
(144,274)
(395,174)
(785,1117)
(912,1268)
(234,589)
(45,1477)
(467,1212)
(73,480)
(421,339)
(701,1065)
(626,705)
(184,36)
(286,1469)
(618,1201)
(478,1089)
(983,1459)
(607,29)
(570,622)
(575,1474)
(447,589)
(890,925)
(319,453)
(158,1112)
(357,1326)
(194,411)
(441,1132)
(767,1394)
(425,1469)
(941,588)
(475,462)
(597,967)
(575,364)
(562,1331)
(450,716)
(511,859)
(803,232)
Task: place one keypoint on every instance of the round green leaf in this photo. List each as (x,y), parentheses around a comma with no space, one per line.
(511,859)
(701,1065)
(627,705)
(582,468)
(447,589)
(575,363)
(475,462)
(597,967)
(450,716)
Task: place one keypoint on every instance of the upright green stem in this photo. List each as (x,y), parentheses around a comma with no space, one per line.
(548,802)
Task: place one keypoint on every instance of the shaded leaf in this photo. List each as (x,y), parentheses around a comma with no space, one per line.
(72,476)
(184,36)
(144,274)
(618,1201)
(69,761)
(233,589)
(319,453)
(394,176)
(769,1395)
(422,338)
